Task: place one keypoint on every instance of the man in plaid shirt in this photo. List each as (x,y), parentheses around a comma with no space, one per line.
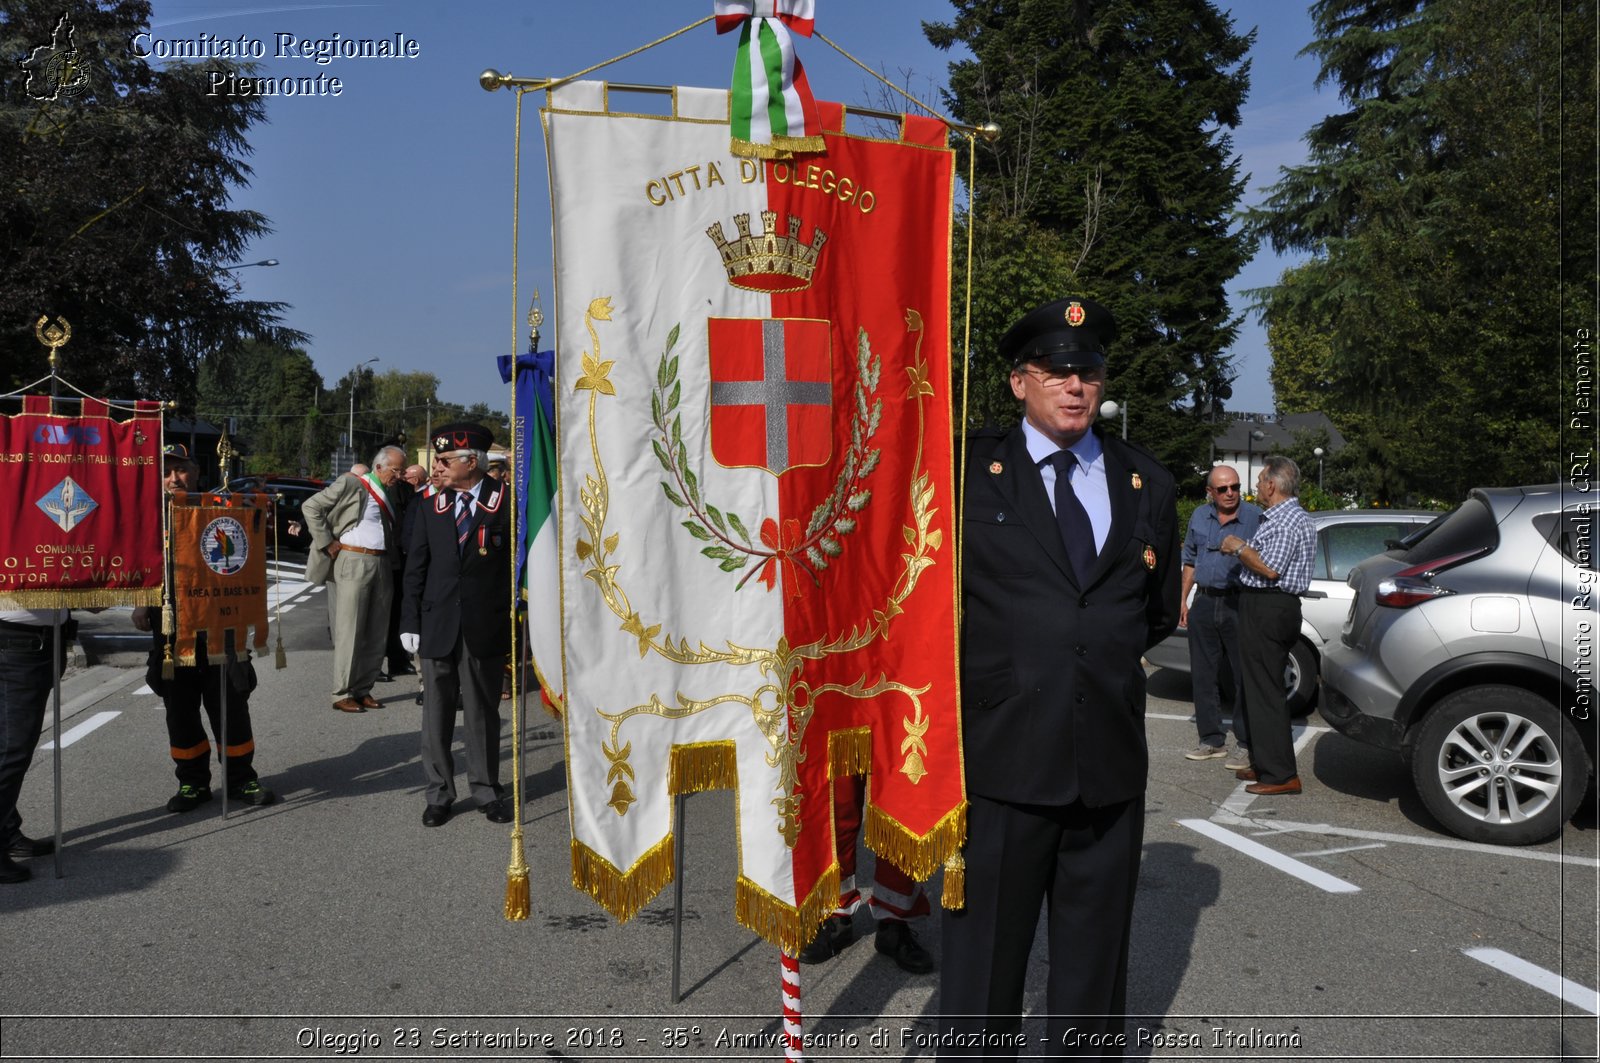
(1276,570)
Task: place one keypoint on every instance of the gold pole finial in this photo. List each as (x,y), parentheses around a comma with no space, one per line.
(535,319)
(53,335)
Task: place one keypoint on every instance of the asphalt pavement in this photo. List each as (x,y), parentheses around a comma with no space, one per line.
(1336,925)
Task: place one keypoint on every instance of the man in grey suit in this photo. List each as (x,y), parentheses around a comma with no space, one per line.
(1070,573)
(354,540)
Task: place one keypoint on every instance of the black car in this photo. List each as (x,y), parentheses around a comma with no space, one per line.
(289,494)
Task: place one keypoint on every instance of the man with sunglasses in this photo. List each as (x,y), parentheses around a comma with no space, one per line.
(1213,617)
(457,617)
(1070,572)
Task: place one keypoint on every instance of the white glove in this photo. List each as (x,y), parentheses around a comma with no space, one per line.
(409,641)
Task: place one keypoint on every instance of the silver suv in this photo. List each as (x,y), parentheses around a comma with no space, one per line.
(1470,650)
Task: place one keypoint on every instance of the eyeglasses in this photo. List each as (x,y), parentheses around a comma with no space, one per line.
(446,459)
(1223,489)
(1055,378)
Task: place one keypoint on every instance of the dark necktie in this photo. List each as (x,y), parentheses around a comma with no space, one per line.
(1076,532)
(463,521)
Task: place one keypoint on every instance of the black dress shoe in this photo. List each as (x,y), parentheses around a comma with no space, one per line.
(23,847)
(835,933)
(11,871)
(897,941)
(497,811)
(436,815)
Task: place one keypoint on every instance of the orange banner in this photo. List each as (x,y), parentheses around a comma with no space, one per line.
(219,571)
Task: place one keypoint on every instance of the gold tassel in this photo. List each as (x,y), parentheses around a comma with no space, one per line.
(850,752)
(699,766)
(517,901)
(167,670)
(954,896)
(622,894)
(279,658)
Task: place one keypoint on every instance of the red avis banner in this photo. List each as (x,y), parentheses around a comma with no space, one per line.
(81,497)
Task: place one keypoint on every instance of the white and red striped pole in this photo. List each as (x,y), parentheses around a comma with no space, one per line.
(792,1044)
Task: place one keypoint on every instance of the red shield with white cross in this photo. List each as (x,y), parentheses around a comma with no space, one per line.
(771,392)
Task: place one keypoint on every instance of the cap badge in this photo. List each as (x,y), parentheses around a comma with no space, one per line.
(1150,557)
(995,468)
(1075,314)
(1138,482)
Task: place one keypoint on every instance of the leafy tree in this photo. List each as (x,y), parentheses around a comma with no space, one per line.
(271,395)
(1432,209)
(115,210)
(1114,177)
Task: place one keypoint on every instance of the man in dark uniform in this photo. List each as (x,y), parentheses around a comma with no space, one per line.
(457,617)
(197,686)
(1070,574)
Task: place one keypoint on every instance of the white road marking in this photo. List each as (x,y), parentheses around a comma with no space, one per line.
(1287,864)
(98,720)
(1285,827)
(1335,852)
(1565,989)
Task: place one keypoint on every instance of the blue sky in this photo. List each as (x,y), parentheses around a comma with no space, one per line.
(391,202)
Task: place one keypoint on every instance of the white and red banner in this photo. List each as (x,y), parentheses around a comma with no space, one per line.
(757,569)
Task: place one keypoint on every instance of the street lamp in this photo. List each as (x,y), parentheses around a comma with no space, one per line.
(1250,454)
(355,378)
(1318,452)
(1109,408)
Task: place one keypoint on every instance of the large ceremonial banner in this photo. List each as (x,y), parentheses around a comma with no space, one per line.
(80,527)
(758,578)
(219,572)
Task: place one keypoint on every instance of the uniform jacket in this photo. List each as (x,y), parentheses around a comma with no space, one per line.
(1053,692)
(330,513)
(448,592)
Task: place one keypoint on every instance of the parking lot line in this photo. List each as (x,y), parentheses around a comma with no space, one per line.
(1287,864)
(1566,989)
(1280,826)
(95,722)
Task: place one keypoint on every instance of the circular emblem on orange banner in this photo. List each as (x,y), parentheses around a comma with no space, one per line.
(224,546)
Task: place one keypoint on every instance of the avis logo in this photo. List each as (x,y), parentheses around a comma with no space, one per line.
(66,434)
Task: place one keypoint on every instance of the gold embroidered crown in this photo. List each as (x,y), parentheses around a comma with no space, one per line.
(772,261)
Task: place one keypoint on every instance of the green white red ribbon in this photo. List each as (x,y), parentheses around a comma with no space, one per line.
(773,115)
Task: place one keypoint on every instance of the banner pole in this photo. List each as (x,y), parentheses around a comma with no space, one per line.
(677,892)
(222,682)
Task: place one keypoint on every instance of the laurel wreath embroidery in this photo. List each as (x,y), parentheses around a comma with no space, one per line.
(780,546)
(782,705)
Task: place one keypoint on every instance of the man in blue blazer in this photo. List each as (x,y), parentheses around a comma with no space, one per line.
(1070,572)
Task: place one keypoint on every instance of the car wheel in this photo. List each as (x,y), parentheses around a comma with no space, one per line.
(1499,765)
(1300,679)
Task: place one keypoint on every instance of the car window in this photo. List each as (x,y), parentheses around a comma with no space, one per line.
(1572,533)
(1343,546)
(1470,526)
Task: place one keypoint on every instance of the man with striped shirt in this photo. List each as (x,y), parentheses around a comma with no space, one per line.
(1275,570)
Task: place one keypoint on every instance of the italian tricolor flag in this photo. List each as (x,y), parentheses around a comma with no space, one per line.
(755,495)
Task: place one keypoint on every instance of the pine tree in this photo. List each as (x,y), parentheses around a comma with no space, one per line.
(1114,177)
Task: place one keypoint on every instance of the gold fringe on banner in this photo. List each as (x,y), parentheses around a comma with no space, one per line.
(622,894)
(701,766)
(849,752)
(782,149)
(784,925)
(918,857)
(96,598)
(518,902)
(954,896)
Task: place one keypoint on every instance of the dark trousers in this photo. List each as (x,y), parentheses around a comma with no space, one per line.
(398,659)
(1083,864)
(1269,623)
(26,679)
(474,682)
(190,690)
(895,894)
(1214,639)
